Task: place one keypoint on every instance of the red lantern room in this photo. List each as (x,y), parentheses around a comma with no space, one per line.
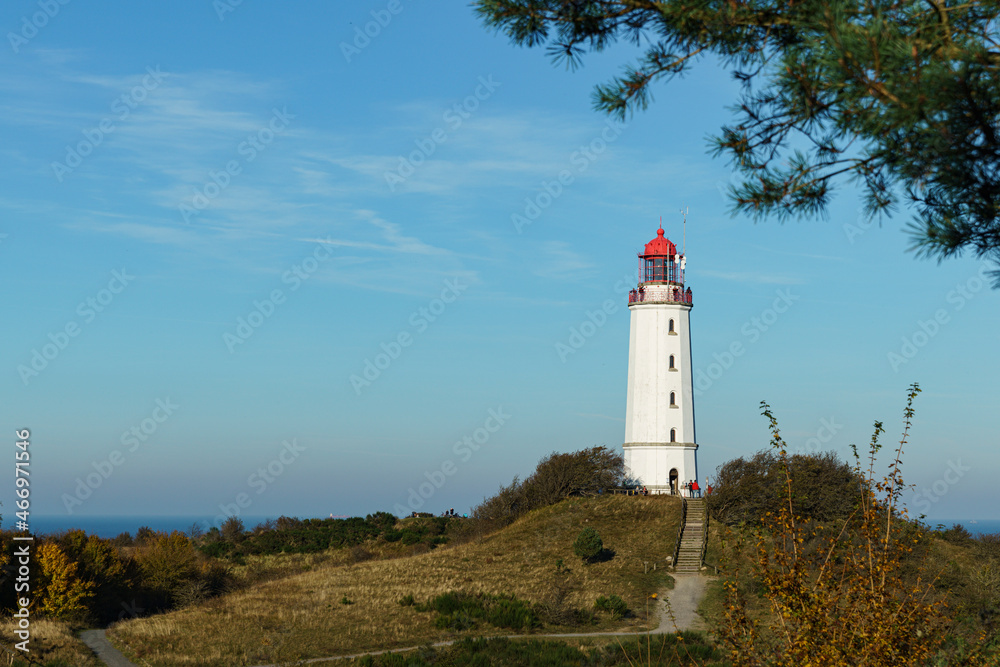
(660,262)
(661,268)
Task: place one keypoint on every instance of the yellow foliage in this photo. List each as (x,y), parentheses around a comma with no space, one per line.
(167,561)
(64,595)
(836,597)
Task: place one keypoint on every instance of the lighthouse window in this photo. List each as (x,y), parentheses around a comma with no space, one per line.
(673,435)
(671,327)
(672,367)
(657,269)
(673,399)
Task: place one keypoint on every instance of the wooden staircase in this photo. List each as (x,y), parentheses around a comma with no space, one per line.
(690,552)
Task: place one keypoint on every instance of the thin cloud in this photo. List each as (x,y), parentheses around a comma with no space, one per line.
(560,262)
(391,234)
(832,258)
(750,277)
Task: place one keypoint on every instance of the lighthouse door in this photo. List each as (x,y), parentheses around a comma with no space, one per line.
(673,481)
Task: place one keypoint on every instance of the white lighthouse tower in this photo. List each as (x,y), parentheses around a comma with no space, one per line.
(660,445)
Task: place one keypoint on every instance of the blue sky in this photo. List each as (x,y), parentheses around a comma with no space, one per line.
(361,197)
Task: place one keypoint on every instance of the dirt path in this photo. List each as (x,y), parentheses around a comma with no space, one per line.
(683,607)
(100,645)
(683,601)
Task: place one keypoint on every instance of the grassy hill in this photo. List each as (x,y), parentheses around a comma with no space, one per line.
(339,609)
(52,642)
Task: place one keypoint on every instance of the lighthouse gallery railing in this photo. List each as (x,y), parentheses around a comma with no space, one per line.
(676,295)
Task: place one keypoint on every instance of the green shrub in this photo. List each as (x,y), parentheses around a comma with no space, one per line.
(359,554)
(459,611)
(460,620)
(436,541)
(409,537)
(406,601)
(957,534)
(614,605)
(657,651)
(144,534)
(447,603)
(557,476)
(166,562)
(232,529)
(511,613)
(216,549)
(824,488)
(291,535)
(588,545)
(123,540)
(381,520)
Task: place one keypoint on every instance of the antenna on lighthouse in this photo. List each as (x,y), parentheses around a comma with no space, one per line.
(684,240)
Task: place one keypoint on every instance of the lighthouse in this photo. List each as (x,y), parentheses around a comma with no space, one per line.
(660,445)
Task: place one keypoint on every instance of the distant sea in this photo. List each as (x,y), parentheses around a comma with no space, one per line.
(981,527)
(112,526)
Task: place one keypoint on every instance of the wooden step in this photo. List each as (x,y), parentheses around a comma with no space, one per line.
(692,537)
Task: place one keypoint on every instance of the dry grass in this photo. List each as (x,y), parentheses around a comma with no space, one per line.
(50,641)
(302,616)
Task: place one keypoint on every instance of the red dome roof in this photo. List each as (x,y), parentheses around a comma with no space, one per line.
(660,245)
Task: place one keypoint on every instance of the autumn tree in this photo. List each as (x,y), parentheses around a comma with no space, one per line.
(114,575)
(745,489)
(582,473)
(902,97)
(233,529)
(838,594)
(64,595)
(558,476)
(168,563)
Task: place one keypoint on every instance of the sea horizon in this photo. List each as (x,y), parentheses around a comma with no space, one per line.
(113,525)
(974,526)
(109,526)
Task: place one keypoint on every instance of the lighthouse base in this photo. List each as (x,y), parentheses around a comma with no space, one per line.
(661,467)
